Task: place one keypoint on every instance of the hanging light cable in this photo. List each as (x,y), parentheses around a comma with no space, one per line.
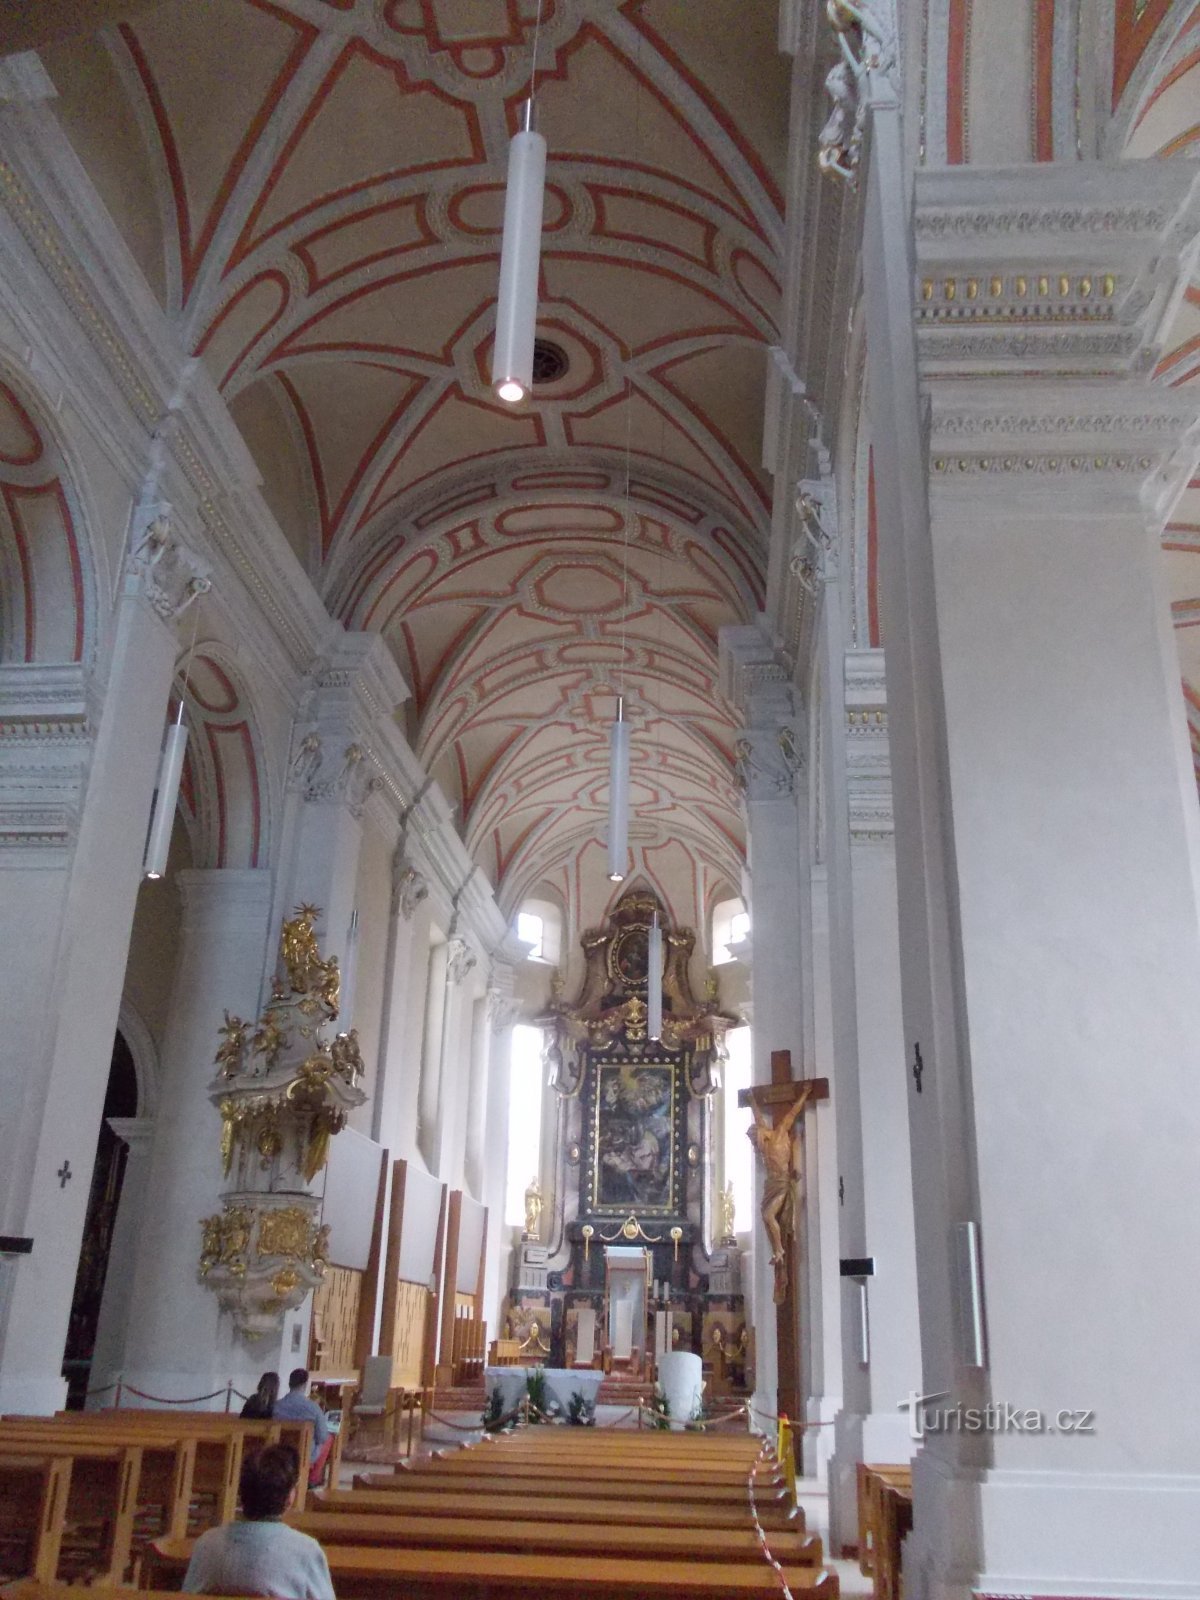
(170,772)
(520,252)
(618,746)
(654,981)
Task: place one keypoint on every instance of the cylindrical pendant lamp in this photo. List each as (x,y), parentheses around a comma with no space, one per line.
(170,772)
(520,255)
(618,795)
(654,978)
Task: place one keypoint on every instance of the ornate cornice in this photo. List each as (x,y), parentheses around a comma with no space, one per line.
(868,757)
(45,748)
(1091,441)
(1044,271)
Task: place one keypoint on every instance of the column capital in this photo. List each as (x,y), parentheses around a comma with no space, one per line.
(342,750)
(460,960)
(504,1010)
(409,885)
(136,1132)
(755,674)
(161,569)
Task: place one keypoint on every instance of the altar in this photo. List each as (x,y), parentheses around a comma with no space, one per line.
(562,1385)
(629,1260)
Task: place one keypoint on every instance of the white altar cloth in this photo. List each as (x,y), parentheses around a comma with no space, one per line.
(561,1384)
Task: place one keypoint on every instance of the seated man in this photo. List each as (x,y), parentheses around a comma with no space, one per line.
(297,1407)
(261,1555)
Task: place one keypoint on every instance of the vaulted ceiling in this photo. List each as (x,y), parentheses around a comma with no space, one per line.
(314,188)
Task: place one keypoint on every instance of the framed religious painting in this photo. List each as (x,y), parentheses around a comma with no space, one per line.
(636,1117)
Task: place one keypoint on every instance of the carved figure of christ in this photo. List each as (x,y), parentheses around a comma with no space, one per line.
(772,1137)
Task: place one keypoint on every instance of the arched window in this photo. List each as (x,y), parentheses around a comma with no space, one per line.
(524,1119)
(730,924)
(539,923)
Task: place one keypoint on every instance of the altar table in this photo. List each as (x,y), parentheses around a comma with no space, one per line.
(562,1383)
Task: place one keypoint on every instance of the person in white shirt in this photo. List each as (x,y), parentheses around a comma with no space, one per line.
(261,1555)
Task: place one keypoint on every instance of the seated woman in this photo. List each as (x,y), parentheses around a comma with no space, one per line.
(261,1555)
(261,1404)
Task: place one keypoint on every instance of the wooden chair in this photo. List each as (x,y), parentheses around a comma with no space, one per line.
(376,1400)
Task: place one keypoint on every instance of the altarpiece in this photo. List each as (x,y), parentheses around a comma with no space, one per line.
(630,1256)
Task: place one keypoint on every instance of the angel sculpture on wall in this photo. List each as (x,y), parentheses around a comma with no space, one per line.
(232,1049)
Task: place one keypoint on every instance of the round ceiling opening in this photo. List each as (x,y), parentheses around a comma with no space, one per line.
(550,362)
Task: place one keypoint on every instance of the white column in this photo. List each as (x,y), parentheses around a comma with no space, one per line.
(394,1114)
(116,1304)
(432,1045)
(820,1322)
(477,1098)
(503,1014)
(1056,1109)
(68,967)
(779,917)
(177,1343)
(870,1085)
(454,1073)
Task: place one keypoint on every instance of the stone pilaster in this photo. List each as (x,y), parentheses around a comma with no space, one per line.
(1045,805)
(767,763)
(394,1122)
(178,1343)
(881,1360)
(68,918)
(116,1305)
(504,1012)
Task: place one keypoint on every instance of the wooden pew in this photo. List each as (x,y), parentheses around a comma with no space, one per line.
(674,1543)
(185,1476)
(559,1441)
(553,1484)
(871,1479)
(189,1477)
(33,1506)
(248,1433)
(894,1520)
(583,1470)
(101,1500)
(445,1500)
(382,1573)
(606,1450)
(167,1478)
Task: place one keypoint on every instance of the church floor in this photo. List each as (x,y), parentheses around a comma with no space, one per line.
(812,1496)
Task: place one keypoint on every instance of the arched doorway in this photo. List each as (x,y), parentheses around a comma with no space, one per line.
(121,1100)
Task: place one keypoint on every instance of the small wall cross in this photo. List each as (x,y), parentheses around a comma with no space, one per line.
(64,1175)
(918,1068)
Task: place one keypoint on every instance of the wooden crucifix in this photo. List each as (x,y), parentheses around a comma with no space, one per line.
(777,1107)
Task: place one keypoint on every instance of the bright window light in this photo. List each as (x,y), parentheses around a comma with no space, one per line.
(525,1118)
(739,1157)
(532,930)
(730,922)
